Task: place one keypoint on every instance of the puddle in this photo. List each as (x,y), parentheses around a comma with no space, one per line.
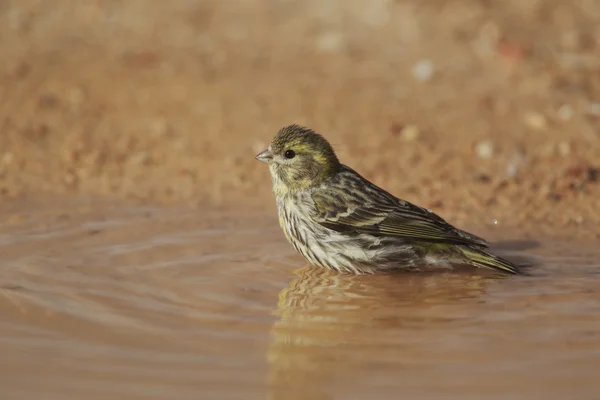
(141,302)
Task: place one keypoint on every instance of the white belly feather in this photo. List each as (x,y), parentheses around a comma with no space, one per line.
(322,246)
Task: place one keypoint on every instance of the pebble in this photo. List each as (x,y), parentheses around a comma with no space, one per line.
(410,133)
(7,158)
(515,163)
(70,179)
(512,52)
(76,95)
(571,40)
(487,41)
(485,149)
(139,158)
(330,42)
(158,127)
(594,109)
(565,112)
(535,120)
(512,169)
(423,70)
(377,14)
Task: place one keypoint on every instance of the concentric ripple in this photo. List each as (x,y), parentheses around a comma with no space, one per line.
(155,303)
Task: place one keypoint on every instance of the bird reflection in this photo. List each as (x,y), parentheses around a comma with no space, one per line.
(328,324)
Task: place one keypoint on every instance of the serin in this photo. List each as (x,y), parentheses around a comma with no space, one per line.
(337,219)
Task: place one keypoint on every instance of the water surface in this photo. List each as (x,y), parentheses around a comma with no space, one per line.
(142,302)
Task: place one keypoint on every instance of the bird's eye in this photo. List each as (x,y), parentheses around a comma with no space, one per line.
(289,154)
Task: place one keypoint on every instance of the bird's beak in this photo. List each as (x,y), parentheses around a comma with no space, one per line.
(264,156)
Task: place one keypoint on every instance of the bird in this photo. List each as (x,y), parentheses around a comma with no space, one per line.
(335,218)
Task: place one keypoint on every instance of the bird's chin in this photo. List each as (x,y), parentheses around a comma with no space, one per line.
(275,171)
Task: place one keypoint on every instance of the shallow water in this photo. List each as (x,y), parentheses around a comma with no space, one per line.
(139,302)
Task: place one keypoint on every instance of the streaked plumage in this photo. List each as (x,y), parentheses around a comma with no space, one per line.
(337,219)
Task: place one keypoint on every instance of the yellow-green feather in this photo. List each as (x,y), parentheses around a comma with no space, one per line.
(480,258)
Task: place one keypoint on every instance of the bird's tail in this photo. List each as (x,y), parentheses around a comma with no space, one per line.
(483,259)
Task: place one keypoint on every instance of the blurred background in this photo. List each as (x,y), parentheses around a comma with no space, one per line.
(475,108)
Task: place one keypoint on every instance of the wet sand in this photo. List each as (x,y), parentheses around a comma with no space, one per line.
(129,301)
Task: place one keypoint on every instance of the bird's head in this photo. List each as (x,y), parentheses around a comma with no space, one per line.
(298,159)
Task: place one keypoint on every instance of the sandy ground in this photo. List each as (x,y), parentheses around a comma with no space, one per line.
(480,110)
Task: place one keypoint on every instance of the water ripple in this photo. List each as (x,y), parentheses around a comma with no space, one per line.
(165,302)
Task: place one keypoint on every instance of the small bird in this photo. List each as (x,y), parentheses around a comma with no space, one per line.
(337,219)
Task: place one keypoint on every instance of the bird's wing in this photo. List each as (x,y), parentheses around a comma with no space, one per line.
(382,214)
